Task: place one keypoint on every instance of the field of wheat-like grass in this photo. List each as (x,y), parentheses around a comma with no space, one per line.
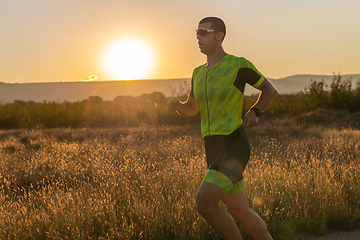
(141,183)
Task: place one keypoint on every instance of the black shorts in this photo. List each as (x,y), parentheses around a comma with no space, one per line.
(228,154)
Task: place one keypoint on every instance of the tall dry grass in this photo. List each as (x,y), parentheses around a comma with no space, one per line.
(140,183)
(305,179)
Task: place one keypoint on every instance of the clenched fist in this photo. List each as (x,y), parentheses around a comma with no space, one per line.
(173,105)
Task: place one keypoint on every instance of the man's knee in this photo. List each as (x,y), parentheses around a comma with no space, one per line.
(239,212)
(203,205)
(250,220)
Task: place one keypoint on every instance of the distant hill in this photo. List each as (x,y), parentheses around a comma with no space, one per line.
(108,90)
(78,91)
(297,83)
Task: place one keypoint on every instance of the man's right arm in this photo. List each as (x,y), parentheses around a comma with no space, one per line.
(186,109)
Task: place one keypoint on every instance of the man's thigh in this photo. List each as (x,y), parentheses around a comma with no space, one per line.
(236,201)
(209,193)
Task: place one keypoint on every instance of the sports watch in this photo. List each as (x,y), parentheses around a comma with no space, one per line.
(258,112)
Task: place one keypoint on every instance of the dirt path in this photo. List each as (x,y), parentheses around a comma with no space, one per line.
(351,235)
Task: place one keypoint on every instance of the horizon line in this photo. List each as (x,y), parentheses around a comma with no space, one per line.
(165,79)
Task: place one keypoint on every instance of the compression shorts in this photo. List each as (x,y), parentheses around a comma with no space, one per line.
(227,156)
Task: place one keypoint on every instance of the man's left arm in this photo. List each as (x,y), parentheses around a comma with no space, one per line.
(267,92)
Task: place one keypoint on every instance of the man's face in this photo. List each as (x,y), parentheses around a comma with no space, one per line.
(208,42)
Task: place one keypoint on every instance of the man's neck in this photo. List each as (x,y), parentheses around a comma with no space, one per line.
(215,57)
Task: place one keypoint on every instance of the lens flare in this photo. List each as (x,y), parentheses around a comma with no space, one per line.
(89,78)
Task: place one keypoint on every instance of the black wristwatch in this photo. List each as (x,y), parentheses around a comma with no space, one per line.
(257,111)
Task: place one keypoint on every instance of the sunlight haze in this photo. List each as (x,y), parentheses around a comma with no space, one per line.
(61,41)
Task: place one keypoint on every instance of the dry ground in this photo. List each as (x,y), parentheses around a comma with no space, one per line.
(350,235)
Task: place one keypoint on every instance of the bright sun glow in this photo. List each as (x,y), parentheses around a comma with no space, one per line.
(129,59)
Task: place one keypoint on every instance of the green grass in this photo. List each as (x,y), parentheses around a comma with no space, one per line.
(141,183)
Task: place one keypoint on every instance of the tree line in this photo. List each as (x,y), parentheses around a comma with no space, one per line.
(126,111)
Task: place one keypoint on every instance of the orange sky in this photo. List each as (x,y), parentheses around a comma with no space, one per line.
(50,41)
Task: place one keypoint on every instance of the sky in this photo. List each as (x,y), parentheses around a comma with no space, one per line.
(68,40)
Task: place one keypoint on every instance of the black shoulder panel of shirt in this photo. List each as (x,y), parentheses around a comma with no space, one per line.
(192,88)
(246,75)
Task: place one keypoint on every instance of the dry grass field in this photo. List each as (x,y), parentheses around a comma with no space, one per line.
(141,182)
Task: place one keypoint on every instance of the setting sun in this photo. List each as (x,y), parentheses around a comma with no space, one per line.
(129,59)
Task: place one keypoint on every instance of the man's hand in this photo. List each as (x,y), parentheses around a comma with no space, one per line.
(173,105)
(250,119)
(185,109)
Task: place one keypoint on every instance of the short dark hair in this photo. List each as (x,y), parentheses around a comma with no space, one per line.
(216,23)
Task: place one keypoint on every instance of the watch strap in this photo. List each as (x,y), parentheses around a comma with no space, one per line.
(257,111)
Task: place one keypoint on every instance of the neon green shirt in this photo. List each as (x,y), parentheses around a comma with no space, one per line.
(219,93)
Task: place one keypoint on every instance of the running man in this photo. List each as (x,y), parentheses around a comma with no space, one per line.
(217,89)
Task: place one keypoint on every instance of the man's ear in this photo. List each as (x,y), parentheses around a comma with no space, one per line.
(219,36)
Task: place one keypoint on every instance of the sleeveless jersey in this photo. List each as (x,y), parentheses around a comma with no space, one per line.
(219,93)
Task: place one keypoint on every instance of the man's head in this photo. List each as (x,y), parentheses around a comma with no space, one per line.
(216,24)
